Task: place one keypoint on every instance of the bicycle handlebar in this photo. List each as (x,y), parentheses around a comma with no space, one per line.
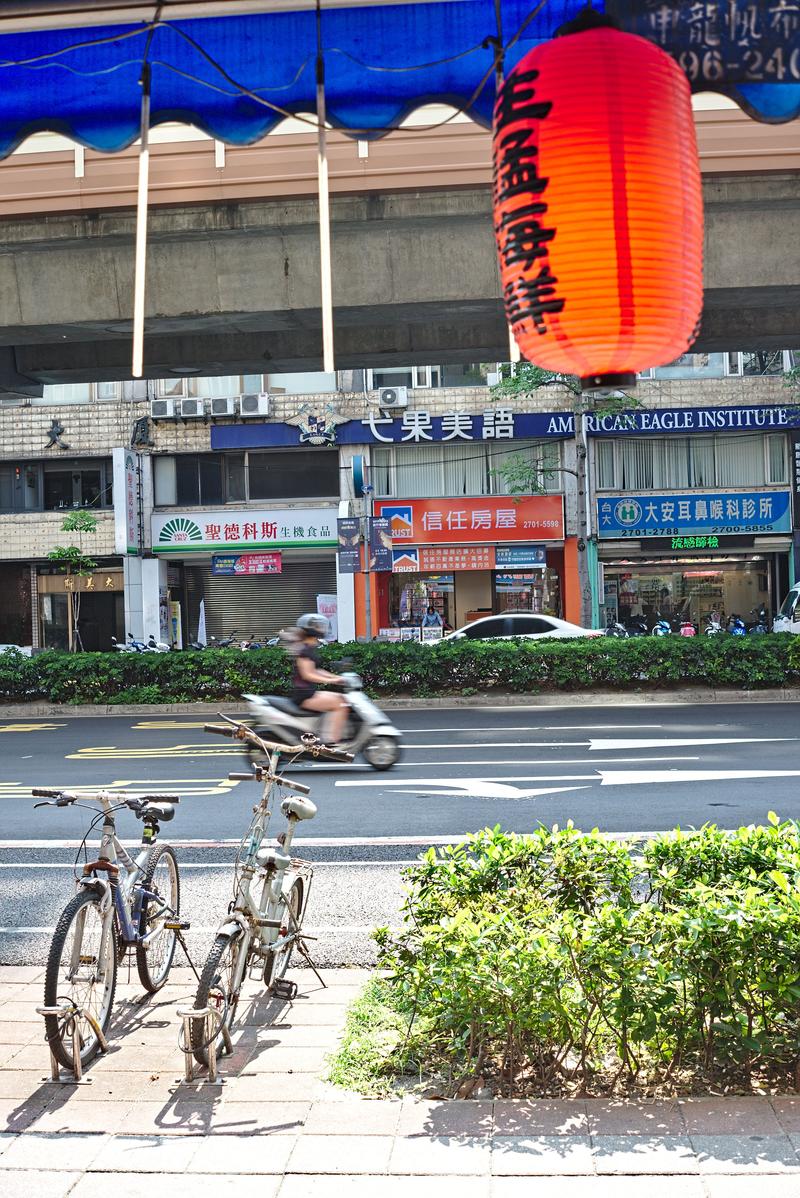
(65,797)
(242,732)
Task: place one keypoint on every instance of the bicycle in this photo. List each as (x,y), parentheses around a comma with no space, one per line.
(136,905)
(259,933)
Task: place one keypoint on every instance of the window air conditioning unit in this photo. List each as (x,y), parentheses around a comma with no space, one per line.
(162,409)
(192,409)
(223,406)
(254,405)
(393,397)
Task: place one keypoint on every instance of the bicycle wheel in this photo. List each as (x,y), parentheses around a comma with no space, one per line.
(81,970)
(278,961)
(154,959)
(216,991)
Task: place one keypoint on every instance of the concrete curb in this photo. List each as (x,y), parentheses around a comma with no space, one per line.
(488,699)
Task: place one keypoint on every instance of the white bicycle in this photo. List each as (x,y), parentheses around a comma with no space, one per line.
(121,903)
(270,892)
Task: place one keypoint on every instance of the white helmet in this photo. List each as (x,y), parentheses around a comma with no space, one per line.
(314,624)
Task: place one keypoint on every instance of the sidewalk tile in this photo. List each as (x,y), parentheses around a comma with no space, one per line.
(359,1186)
(727,1116)
(20,1114)
(266,1087)
(538,1156)
(298,1035)
(265,1119)
(746,1154)
(441,1155)
(461,1117)
(603,1187)
(242,1154)
(27,1183)
(326,1015)
(340,1154)
(166,1119)
(265,1058)
(363,1117)
(787,1112)
(540,1117)
(82,1117)
(635,1155)
(174,1185)
(609,1117)
(145,1154)
(7,1138)
(66,1151)
(742,1187)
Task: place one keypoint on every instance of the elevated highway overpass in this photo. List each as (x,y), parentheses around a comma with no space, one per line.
(233,279)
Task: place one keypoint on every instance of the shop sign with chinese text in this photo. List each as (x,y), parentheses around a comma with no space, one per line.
(280,528)
(97,582)
(521,557)
(413,427)
(443,557)
(246,563)
(349,544)
(710,515)
(474,521)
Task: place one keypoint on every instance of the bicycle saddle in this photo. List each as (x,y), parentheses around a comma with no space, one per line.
(162,812)
(298,808)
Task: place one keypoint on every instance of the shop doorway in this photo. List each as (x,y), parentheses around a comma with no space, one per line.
(690,589)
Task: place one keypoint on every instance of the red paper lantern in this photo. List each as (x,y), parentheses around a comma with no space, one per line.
(598,206)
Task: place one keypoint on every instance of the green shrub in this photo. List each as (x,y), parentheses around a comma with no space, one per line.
(453,667)
(561,956)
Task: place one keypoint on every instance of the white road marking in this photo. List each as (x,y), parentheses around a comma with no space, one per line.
(490,790)
(639,777)
(464,784)
(608,746)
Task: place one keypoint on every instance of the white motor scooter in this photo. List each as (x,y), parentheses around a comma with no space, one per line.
(369,732)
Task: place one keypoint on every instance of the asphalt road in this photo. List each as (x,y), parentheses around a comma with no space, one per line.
(622,769)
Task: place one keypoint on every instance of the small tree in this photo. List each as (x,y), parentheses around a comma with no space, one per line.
(76,564)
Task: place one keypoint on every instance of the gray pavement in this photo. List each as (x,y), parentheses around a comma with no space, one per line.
(276,1128)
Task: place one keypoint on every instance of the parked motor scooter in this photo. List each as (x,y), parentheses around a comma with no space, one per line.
(154,646)
(761,624)
(687,628)
(369,731)
(736,625)
(637,626)
(132,645)
(614,628)
(662,626)
(713,624)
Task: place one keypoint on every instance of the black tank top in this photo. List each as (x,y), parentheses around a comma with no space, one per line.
(301,689)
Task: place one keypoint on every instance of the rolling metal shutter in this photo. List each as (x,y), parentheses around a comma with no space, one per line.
(258,606)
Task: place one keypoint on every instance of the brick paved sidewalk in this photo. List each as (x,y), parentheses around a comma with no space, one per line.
(276,1130)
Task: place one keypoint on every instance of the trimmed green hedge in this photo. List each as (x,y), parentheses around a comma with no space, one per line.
(458,667)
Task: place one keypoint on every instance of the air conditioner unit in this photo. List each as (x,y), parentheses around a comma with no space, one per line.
(192,409)
(254,405)
(162,409)
(223,406)
(393,397)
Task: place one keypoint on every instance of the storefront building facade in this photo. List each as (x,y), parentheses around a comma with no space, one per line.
(693,512)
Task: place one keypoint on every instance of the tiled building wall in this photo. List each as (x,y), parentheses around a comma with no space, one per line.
(31,537)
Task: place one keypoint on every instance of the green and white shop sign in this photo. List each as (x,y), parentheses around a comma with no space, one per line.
(245,528)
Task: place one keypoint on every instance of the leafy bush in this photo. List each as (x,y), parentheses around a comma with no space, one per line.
(454,667)
(562,960)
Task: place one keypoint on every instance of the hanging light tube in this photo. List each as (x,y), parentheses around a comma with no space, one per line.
(325,267)
(140,259)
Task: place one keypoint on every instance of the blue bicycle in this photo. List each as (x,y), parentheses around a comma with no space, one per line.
(122,903)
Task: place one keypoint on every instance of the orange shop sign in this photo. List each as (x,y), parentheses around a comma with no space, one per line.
(485,520)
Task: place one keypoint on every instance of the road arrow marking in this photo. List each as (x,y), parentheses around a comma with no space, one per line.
(489,790)
(606,746)
(644,777)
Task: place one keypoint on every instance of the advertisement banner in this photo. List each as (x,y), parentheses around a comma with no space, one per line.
(348,532)
(126,466)
(474,521)
(795,468)
(246,563)
(249,528)
(328,606)
(457,557)
(380,544)
(520,557)
(711,515)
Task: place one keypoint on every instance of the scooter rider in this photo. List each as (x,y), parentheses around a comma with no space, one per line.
(307,676)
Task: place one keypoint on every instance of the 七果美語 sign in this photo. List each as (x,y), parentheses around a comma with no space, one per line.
(711,515)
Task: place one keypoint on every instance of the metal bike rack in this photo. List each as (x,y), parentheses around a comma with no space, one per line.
(211,1021)
(69,1015)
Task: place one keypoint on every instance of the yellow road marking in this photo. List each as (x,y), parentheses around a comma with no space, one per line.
(157,725)
(134,787)
(112,753)
(30,727)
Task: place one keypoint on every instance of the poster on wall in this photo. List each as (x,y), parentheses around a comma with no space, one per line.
(328,606)
(246,563)
(348,531)
(380,544)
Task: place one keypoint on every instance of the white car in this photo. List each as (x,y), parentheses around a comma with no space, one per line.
(518,623)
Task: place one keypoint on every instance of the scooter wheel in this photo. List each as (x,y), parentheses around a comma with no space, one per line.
(382,752)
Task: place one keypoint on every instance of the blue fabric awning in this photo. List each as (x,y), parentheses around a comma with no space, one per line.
(235,77)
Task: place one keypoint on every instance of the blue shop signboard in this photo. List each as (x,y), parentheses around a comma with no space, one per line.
(327,428)
(520,557)
(715,514)
(640,422)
